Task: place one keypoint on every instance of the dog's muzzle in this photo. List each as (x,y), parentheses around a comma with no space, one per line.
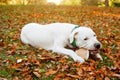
(97,48)
(97,45)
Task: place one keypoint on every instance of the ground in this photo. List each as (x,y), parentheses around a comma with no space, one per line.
(19,61)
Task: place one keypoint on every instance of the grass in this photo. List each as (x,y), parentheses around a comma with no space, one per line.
(104,21)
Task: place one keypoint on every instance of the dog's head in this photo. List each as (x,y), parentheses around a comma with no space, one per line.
(85,37)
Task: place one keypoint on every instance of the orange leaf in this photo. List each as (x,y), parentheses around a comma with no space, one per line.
(50,72)
(58,76)
(73,76)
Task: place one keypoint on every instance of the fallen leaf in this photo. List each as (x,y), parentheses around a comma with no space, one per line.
(116,75)
(59,76)
(3,78)
(19,60)
(37,74)
(107,78)
(50,72)
(73,76)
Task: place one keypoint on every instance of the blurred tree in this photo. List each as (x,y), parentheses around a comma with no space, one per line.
(90,2)
(23,2)
(3,1)
(115,3)
(71,2)
(107,3)
(36,1)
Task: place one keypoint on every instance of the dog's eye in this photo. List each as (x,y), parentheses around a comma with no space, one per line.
(94,35)
(86,38)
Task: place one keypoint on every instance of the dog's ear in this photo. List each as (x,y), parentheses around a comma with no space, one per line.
(73,36)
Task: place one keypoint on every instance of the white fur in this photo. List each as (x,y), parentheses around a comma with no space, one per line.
(57,36)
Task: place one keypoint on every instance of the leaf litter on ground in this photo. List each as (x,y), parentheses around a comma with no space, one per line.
(19,61)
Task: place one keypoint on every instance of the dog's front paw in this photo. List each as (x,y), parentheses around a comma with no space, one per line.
(79,59)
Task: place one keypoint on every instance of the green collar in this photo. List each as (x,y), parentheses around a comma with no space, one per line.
(74,41)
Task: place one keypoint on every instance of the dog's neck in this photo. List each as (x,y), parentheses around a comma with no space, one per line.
(74,40)
(74,43)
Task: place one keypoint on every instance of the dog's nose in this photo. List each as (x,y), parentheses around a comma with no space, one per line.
(97,45)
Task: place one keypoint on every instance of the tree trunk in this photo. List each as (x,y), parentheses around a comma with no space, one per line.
(107,3)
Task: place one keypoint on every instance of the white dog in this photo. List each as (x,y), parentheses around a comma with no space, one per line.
(57,36)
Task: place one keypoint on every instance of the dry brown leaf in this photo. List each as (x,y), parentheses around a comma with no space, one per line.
(59,76)
(50,72)
(73,76)
(3,78)
(116,75)
(37,74)
(16,78)
(107,78)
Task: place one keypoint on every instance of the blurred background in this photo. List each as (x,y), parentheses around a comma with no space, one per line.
(100,3)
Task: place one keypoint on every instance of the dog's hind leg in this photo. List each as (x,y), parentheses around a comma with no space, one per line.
(23,38)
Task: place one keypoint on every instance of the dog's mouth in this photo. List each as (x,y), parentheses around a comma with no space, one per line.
(94,51)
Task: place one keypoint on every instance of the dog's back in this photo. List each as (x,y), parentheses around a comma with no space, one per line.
(44,35)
